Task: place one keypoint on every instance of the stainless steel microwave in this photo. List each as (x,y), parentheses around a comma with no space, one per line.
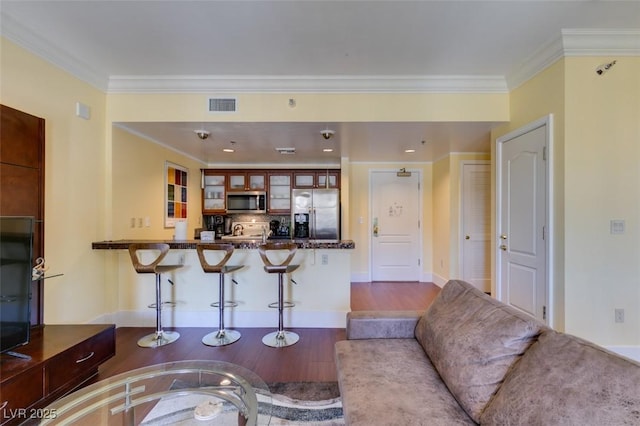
(247,202)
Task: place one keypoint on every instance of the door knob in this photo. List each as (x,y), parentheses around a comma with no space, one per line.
(503,247)
(503,237)
(466,237)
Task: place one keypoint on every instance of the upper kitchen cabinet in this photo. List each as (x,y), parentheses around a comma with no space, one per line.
(214,192)
(279,192)
(316,179)
(247,181)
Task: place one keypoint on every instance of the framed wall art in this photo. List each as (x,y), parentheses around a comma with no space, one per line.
(175,200)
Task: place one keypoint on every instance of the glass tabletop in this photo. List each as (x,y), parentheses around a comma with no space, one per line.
(175,393)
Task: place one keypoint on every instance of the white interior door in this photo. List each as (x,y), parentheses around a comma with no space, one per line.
(476,225)
(395,231)
(522,216)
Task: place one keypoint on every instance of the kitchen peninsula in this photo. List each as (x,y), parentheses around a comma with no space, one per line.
(321,291)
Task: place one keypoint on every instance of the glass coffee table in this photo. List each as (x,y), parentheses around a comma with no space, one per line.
(183,393)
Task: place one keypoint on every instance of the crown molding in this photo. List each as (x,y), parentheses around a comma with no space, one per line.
(31,41)
(572,42)
(307,84)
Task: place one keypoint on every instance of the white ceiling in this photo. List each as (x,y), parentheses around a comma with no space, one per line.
(306,46)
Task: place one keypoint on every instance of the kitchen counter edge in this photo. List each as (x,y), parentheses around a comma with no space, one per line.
(238,244)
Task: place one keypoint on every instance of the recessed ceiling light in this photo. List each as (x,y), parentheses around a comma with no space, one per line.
(327,150)
(228,150)
(409,150)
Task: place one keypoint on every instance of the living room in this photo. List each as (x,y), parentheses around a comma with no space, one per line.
(595,170)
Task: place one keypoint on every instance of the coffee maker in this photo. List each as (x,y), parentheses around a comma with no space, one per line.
(301,225)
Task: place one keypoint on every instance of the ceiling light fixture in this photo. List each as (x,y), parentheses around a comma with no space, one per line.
(327,134)
(202,134)
(327,150)
(409,150)
(228,150)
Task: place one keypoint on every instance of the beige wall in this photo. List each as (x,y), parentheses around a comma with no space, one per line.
(596,179)
(535,99)
(447,195)
(360,205)
(74,179)
(138,187)
(602,182)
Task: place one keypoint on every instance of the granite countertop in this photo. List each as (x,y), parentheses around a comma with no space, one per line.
(238,244)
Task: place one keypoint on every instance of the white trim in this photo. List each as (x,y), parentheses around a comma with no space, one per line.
(570,42)
(632,352)
(438,280)
(550,208)
(576,42)
(31,41)
(601,42)
(209,319)
(306,84)
(360,277)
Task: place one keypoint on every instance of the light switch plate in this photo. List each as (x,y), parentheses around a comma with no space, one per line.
(617,226)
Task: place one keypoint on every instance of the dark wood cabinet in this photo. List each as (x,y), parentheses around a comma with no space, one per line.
(63,357)
(214,192)
(22,182)
(316,179)
(240,180)
(277,182)
(279,192)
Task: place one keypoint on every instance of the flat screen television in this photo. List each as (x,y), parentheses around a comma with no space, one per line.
(16,251)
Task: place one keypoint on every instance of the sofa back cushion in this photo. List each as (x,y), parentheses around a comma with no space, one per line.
(564,380)
(473,340)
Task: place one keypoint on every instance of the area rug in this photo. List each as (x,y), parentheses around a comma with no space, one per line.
(293,403)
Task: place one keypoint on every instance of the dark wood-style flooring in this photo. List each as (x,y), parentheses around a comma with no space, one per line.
(311,359)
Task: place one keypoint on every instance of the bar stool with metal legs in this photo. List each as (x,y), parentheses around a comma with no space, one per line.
(279,338)
(222,336)
(160,337)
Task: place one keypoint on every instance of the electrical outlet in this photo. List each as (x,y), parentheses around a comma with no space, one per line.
(619,314)
(133,222)
(139,222)
(324,260)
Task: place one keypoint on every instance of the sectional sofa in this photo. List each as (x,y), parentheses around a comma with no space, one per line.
(470,359)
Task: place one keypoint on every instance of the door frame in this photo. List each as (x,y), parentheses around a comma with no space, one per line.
(461,212)
(420,218)
(549,214)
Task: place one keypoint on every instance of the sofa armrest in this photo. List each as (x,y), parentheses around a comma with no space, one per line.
(382,324)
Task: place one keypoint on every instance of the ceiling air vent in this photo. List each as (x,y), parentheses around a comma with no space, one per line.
(286,151)
(222,104)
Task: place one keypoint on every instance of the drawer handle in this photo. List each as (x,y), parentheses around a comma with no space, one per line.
(85,358)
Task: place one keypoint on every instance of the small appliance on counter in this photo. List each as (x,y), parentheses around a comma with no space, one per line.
(248,231)
(207,236)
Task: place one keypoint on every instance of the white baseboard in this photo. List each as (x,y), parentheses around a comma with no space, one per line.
(360,278)
(438,280)
(632,352)
(209,319)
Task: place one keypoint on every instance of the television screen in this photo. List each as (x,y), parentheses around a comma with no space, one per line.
(16,246)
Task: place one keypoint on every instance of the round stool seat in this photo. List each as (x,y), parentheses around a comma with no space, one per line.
(221,337)
(280,338)
(160,337)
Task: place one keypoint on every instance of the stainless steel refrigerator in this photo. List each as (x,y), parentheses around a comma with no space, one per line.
(315,213)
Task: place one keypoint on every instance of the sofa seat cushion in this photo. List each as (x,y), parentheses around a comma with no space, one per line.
(564,380)
(392,382)
(473,340)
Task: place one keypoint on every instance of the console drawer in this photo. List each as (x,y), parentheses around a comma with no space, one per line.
(21,393)
(80,362)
